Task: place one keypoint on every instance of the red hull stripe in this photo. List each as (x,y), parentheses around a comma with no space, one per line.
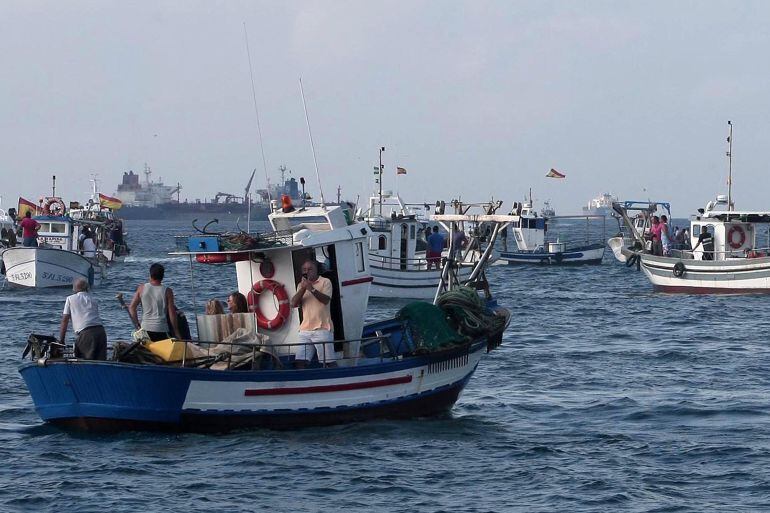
(708,290)
(357,281)
(328,388)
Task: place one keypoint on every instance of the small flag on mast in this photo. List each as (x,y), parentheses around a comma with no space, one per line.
(400,171)
(555,174)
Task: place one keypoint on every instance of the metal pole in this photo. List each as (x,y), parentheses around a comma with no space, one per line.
(730,168)
(379,178)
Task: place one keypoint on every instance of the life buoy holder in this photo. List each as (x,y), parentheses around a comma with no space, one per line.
(679,269)
(284,309)
(741,237)
(54,207)
(220,258)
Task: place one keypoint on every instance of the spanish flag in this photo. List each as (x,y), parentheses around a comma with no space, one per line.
(26,206)
(400,171)
(109,202)
(554,174)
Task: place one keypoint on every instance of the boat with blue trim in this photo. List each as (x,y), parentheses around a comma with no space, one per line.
(240,370)
(536,246)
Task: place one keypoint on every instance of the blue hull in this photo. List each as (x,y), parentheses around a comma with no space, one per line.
(586,255)
(118,396)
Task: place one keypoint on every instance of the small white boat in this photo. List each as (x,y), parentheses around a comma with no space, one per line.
(56,261)
(397,253)
(534,246)
(45,267)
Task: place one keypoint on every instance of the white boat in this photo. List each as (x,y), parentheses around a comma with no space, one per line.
(390,369)
(601,205)
(397,253)
(104,224)
(45,267)
(535,246)
(56,261)
(739,261)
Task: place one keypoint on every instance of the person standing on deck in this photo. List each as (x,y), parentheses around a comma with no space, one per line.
(435,248)
(157,303)
(81,307)
(316,333)
(29,228)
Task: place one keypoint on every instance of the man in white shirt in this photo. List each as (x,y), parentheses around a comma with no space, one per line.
(81,307)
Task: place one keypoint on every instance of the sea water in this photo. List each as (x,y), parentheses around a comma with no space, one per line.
(604,396)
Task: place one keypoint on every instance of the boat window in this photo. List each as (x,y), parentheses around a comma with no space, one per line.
(58,228)
(411,232)
(360,257)
(45,227)
(383,242)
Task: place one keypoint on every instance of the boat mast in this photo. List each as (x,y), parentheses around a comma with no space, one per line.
(53,193)
(379,179)
(730,167)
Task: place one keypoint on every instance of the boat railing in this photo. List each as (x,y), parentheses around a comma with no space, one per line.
(191,350)
(398,263)
(689,254)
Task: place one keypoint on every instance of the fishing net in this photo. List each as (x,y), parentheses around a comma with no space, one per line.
(428,327)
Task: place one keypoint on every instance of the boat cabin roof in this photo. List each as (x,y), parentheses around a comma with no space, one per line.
(745,216)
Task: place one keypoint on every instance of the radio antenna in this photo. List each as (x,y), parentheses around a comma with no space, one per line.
(259,126)
(312,146)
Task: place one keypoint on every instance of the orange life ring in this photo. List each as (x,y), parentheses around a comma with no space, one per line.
(60,208)
(284,309)
(220,258)
(741,237)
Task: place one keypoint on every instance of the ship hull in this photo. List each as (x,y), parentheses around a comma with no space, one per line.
(736,276)
(117,396)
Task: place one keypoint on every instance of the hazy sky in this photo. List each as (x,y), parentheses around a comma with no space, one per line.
(475,99)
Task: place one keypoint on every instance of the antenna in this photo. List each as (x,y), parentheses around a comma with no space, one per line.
(730,167)
(256,114)
(312,146)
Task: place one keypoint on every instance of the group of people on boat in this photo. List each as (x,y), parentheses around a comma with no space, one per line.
(436,242)
(664,239)
(160,318)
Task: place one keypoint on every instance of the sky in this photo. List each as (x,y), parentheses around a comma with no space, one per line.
(476,100)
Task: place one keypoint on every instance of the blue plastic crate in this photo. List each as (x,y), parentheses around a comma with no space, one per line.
(204,244)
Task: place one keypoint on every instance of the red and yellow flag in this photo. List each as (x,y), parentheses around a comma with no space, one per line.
(109,202)
(554,174)
(26,206)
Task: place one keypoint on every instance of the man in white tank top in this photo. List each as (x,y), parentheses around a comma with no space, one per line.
(157,301)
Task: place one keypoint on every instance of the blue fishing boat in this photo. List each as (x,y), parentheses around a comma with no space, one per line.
(534,244)
(241,370)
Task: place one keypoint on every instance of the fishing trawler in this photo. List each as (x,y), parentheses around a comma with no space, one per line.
(415,364)
(727,250)
(400,269)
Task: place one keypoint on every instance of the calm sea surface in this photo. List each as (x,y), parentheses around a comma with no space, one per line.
(604,396)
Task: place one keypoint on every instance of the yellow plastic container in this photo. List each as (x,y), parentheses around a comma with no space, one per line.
(170,350)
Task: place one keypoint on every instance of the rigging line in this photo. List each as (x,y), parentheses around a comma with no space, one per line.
(312,146)
(256,114)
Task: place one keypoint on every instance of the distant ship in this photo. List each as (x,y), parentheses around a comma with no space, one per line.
(547,210)
(150,199)
(600,206)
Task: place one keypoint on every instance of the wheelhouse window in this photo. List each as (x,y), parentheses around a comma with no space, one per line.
(360,257)
(382,242)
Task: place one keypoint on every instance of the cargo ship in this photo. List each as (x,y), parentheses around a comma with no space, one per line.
(149,199)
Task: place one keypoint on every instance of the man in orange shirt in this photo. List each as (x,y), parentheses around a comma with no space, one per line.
(316,333)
